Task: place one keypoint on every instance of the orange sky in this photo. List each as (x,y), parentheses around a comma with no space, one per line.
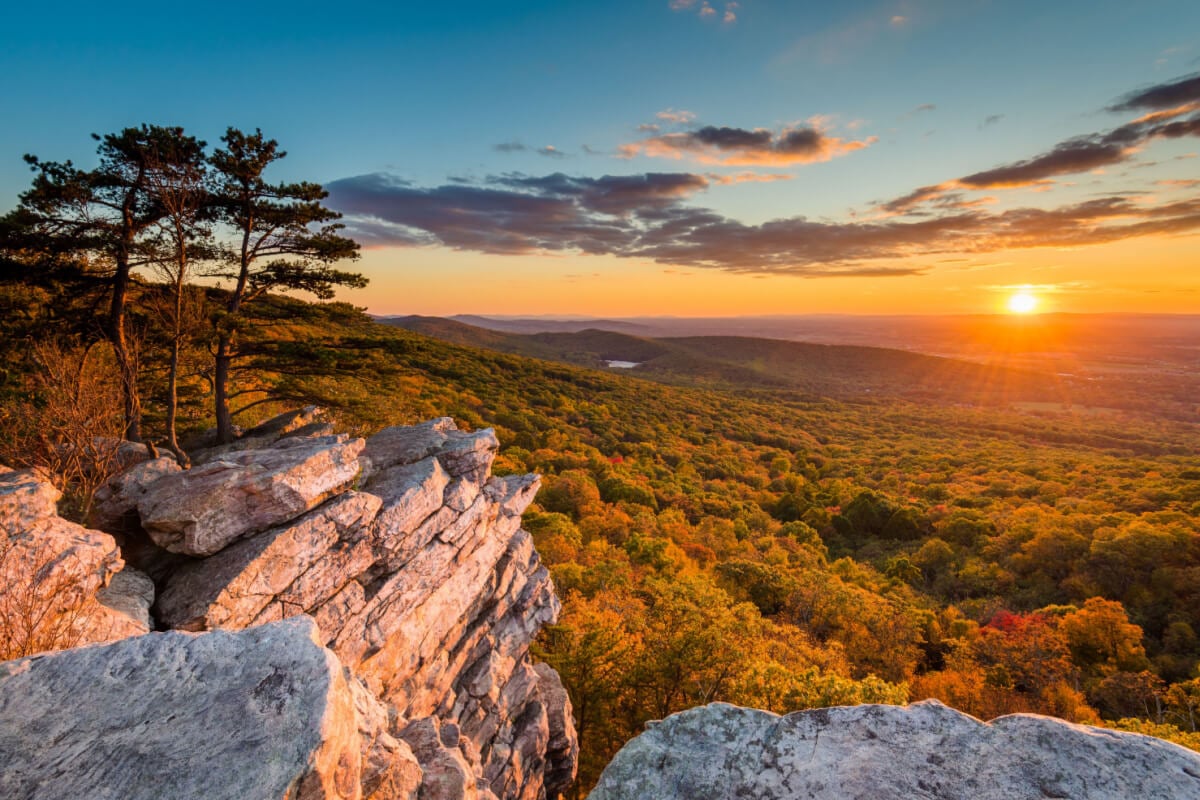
(1150,274)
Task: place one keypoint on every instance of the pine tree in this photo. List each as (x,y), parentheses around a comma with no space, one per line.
(282,239)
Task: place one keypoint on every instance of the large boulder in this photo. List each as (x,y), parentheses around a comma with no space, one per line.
(925,750)
(264,713)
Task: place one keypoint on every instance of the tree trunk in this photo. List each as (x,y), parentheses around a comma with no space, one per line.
(173,368)
(125,361)
(221,389)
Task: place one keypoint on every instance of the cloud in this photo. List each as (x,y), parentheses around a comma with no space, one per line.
(899,21)
(648,127)
(551,151)
(746,177)
(990,120)
(509,147)
(649,216)
(1077,155)
(678,117)
(924,107)
(1180,92)
(705,10)
(729,146)
(653,215)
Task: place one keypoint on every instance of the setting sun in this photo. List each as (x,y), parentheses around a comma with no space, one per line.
(1022,303)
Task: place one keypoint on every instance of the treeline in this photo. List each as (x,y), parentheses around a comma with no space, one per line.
(131,254)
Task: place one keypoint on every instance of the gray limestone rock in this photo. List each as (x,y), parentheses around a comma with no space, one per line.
(462,454)
(264,713)
(925,751)
(120,495)
(203,509)
(130,593)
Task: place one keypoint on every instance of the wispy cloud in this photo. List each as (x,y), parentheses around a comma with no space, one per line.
(706,10)
(509,147)
(747,177)
(677,117)
(1181,92)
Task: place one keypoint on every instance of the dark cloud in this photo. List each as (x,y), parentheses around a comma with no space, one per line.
(724,138)
(990,120)
(729,146)
(647,216)
(550,151)
(1085,153)
(1078,155)
(1182,91)
(509,147)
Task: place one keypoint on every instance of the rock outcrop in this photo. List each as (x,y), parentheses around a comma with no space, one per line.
(410,559)
(925,750)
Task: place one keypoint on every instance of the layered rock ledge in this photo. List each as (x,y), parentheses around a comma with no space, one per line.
(922,751)
(405,552)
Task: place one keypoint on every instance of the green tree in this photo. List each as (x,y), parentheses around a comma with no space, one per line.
(105,216)
(282,239)
(175,178)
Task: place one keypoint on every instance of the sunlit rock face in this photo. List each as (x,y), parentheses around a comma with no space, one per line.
(64,585)
(411,560)
(925,750)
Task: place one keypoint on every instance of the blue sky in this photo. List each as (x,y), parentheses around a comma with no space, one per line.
(917,93)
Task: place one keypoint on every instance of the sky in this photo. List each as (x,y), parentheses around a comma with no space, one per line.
(677,157)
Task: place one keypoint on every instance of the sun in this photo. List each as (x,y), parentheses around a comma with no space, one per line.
(1022,303)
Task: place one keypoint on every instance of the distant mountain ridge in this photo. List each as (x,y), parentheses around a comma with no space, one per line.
(1046,363)
(748,363)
